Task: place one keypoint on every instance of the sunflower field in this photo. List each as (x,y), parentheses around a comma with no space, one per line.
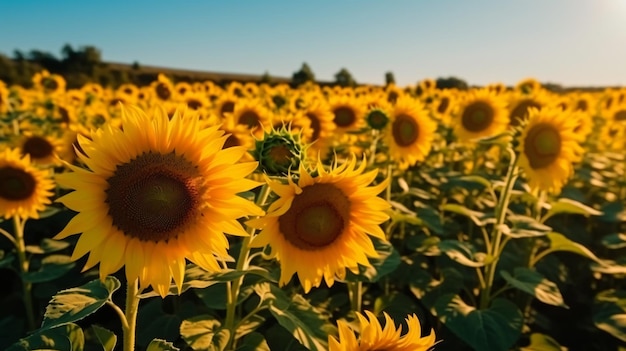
(198,216)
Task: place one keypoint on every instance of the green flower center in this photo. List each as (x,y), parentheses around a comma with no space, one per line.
(405,130)
(377,119)
(477,116)
(316,218)
(542,145)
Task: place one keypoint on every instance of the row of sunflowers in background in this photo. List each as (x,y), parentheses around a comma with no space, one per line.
(257,217)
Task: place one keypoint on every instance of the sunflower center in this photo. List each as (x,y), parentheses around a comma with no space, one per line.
(279,101)
(50,84)
(315,125)
(316,218)
(250,119)
(520,112)
(477,116)
(542,145)
(154,196)
(227,107)
(162,91)
(444,103)
(194,104)
(405,130)
(37,147)
(344,116)
(620,116)
(16,184)
(281,155)
(231,141)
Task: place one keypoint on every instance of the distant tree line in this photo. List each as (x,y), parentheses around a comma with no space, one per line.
(84,65)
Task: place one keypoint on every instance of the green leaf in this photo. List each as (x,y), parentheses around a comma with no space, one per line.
(535,284)
(306,323)
(6,260)
(49,212)
(496,328)
(609,313)
(464,211)
(105,337)
(614,241)
(542,342)
(47,246)
(387,261)
(67,337)
(569,206)
(52,267)
(524,227)
(559,242)
(462,253)
(254,342)
(613,212)
(74,304)
(429,289)
(161,345)
(204,333)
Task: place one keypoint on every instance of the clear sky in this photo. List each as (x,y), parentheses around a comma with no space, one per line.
(570,42)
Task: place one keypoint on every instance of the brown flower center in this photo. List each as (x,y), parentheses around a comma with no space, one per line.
(37,148)
(316,218)
(163,91)
(231,141)
(405,130)
(377,119)
(520,112)
(50,84)
(16,184)
(620,116)
(250,119)
(477,116)
(194,104)
(154,196)
(542,145)
(315,125)
(227,107)
(444,103)
(344,116)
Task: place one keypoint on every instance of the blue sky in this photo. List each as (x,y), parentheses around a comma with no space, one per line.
(571,42)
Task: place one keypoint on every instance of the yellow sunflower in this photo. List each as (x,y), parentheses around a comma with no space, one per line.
(4,98)
(49,83)
(547,147)
(481,114)
(528,85)
(410,133)
(24,189)
(156,193)
(252,114)
(520,103)
(43,150)
(348,111)
(319,227)
(373,336)
(163,89)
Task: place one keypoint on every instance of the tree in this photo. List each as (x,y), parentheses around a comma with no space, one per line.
(344,78)
(266,78)
(451,83)
(389,78)
(305,74)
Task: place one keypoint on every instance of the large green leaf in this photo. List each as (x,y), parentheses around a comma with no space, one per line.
(161,345)
(429,289)
(475,216)
(542,342)
(68,337)
(306,323)
(495,329)
(524,227)
(569,206)
(609,313)
(614,240)
(535,284)
(204,332)
(254,342)
(74,304)
(106,338)
(463,253)
(559,242)
(52,267)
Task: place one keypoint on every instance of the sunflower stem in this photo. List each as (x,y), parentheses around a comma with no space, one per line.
(356,296)
(24,264)
(130,314)
(496,249)
(243,261)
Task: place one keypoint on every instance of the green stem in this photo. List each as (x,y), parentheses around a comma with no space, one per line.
(242,264)
(132,306)
(496,249)
(24,264)
(355,290)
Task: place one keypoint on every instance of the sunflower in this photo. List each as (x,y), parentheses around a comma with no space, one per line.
(374,337)
(252,114)
(163,89)
(348,111)
(51,84)
(520,103)
(481,114)
(316,126)
(4,98)
(528,86)
(319,227)
(24,189)
(156,193)
(547,147)
(43,150)
(410,133)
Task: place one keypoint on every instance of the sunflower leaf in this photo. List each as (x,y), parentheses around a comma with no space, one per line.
(161,345)
(559,242)
(496,328)
(535,284)
(67,337)
(464,211)
(254,342)
(204,333)
(309,325)
(542,342)
(106,338)
(74,304)
(52,267)
(564,205)
(47,246)
(609,313)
